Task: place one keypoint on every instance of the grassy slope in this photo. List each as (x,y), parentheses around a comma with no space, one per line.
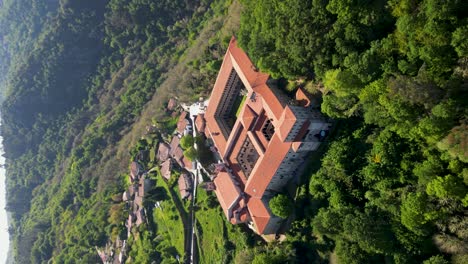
(210,231)
(173,85)
(169,221)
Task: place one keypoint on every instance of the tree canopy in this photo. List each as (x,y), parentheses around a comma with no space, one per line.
(393,75)
(281,205)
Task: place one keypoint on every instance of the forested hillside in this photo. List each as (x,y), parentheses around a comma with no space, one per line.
(392,185)
(82,79)
(79,74)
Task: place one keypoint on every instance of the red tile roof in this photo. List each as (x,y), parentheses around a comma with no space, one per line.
(266,167)
(263,103)
(129,224)
(171,104)
(187,163)
(138,201)
(286,122)
(259,214)
(182,123)
(166,169)
(176,151)
(143,186)
(248,117)
(174,143)
(270,102)
(240,215)
(302,98)
(130,192)
(163,151)
(184,186)
(200,123)
(178,155)
(244,216)
(227,192)
(135,170)
(211,123)
(140,217)
(296,145)
(303,131)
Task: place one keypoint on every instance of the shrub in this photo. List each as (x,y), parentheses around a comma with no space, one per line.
(436,260)
(281,205)
(187,141)
(191,154)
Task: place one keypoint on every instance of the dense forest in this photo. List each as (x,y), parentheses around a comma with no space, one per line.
(392,184)
(80,81)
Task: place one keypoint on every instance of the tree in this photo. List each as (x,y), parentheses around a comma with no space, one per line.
(265,258)
(303,47)
(413,212)
(191,153)
(419,90)
(187,141)
(350,253)
(370,230)
(428,169)
(447,187)
(455,142)
(281,205)
(339,106)
(342,82)
(450,244)
(460,259)
(412,243)
(328,222)
(460,41)
(280,253)
(341,97)
(436,260)
(244,256)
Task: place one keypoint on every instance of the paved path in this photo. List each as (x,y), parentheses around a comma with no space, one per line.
(191,247)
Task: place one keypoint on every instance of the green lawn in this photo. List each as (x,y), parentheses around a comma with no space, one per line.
(240,104)
(234,112)
(169,222)
(210,230)
(218,240)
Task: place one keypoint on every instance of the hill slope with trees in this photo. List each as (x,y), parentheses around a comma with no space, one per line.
(392,186)
(79,75)
(81,80)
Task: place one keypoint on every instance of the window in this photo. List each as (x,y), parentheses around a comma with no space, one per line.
(247,157)
(268,129)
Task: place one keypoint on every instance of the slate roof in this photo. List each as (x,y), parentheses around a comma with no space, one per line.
(185,185)
(163,151)
(135,170)
(174,144)
(171,104)
(140,217)
(166,169)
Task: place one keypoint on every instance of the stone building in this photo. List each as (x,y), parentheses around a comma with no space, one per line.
(261,135)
